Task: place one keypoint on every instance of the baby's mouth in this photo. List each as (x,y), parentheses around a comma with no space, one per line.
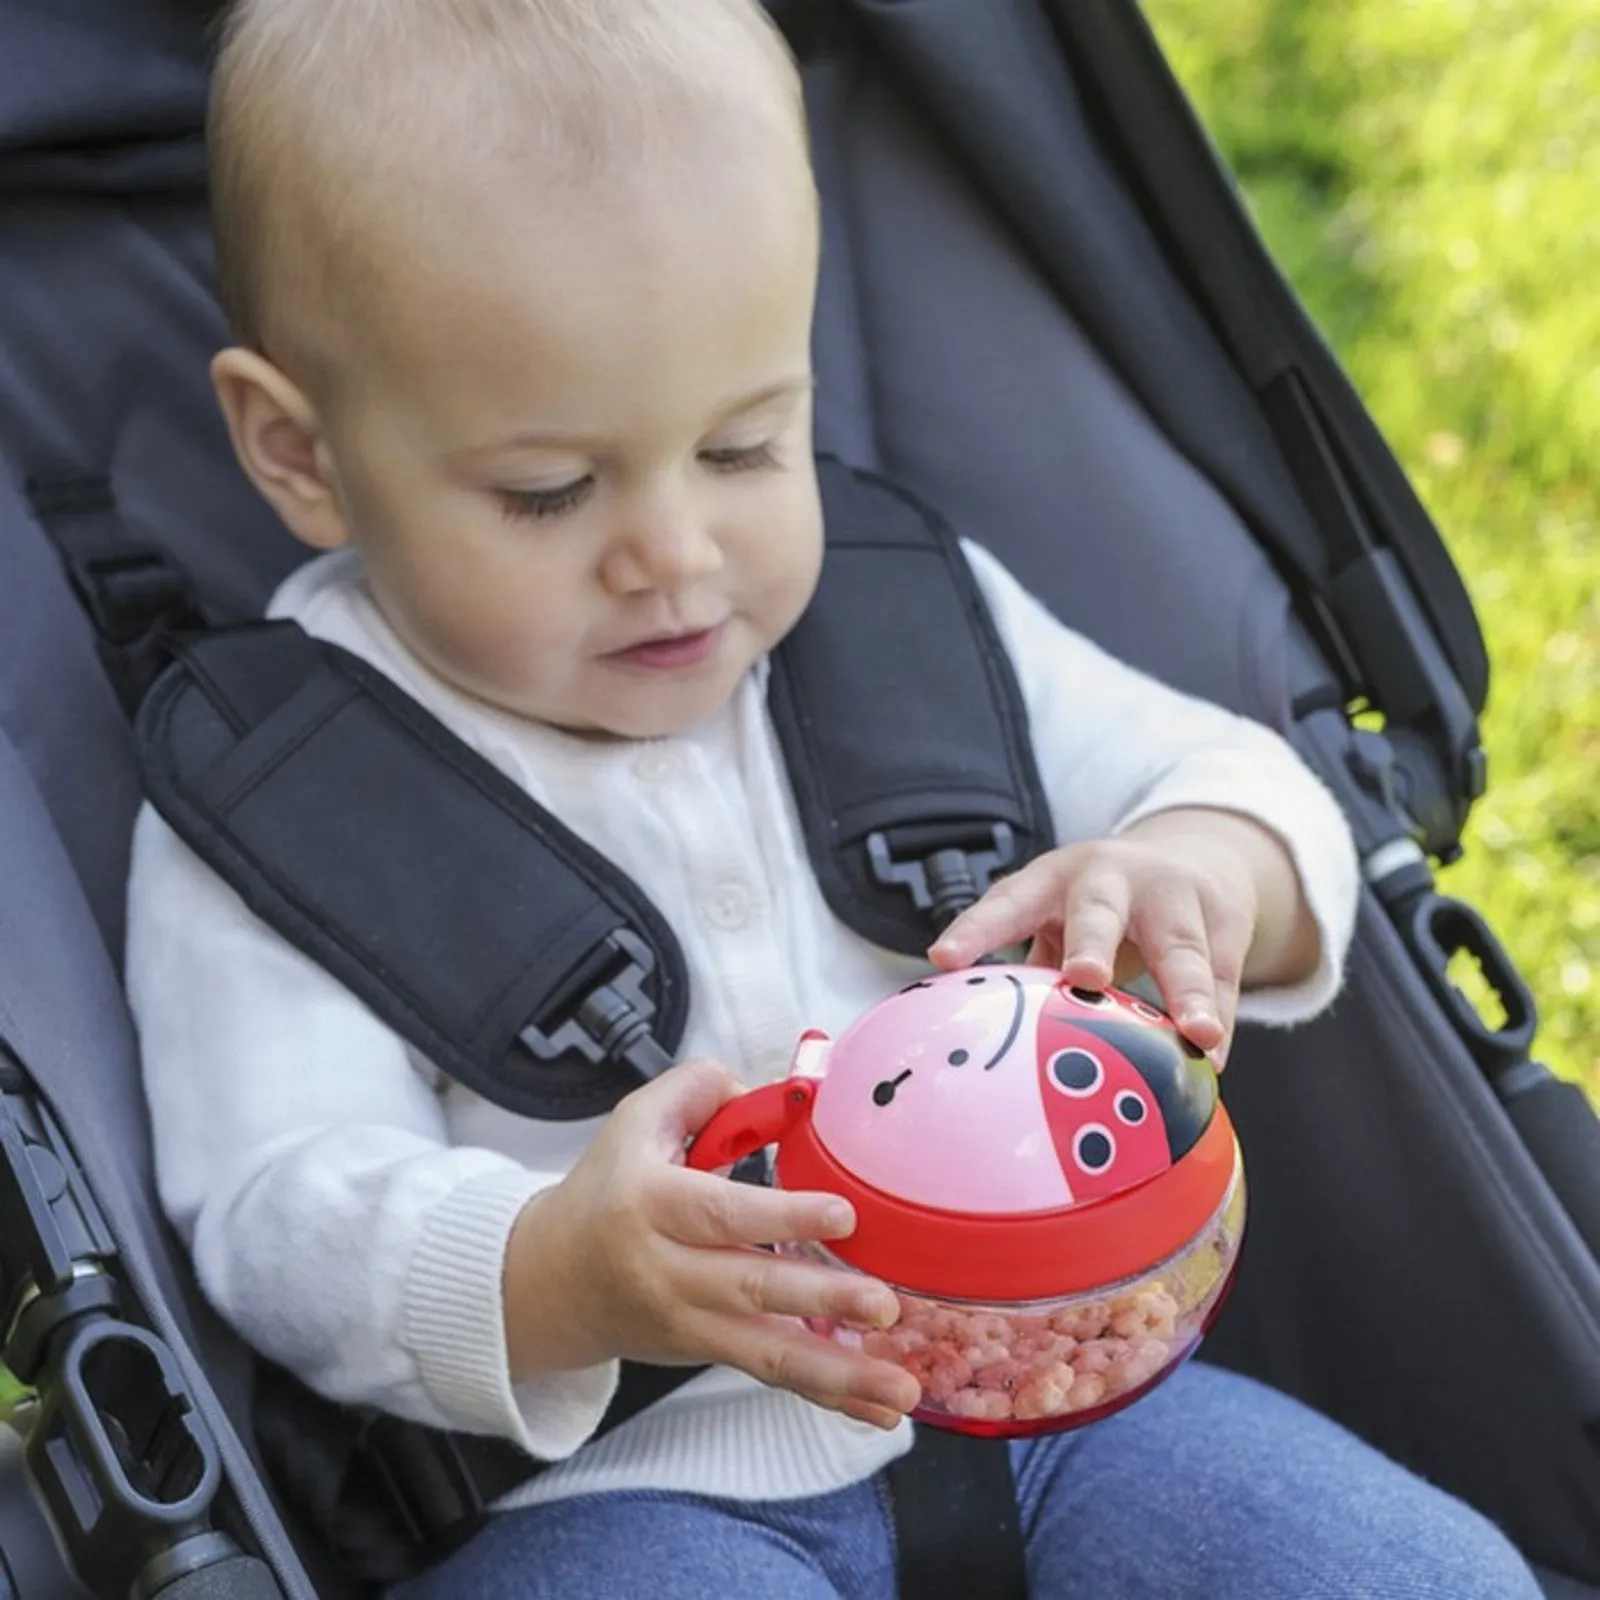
(667,652)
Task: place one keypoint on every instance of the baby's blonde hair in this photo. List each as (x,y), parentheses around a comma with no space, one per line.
(314,100)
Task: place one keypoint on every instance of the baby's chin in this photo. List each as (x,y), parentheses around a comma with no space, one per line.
(653,715)
(635,711)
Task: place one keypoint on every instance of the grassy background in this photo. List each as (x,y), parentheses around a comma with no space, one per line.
(1428,174)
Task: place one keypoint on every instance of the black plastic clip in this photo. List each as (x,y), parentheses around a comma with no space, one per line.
(120,1456)
(606,1013)
(135,594)
(424,1484)
(1383,638)
(1438,928)
(945,866)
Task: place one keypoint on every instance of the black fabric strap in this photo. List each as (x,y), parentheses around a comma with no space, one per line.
(415,872)
(900,717)
(957,1527)
(135,595)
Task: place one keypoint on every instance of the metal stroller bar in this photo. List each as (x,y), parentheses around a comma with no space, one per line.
(120,1453)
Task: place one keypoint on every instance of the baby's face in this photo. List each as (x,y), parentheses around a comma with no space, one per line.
(576,455)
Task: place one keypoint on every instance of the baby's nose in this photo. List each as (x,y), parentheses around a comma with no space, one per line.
(664,552)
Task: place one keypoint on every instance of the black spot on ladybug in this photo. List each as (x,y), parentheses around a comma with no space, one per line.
(1089,997)
(921,983)
(1130,1108)
(977,980)
(884,1092)
(957,1058)
(1076,1071)
(1182,1085)
(1094,1149)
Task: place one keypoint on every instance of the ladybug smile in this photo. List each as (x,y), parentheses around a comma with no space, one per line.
(883,1093)
(1017,1008)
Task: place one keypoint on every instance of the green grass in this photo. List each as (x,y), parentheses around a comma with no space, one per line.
(10,1390)
(1428,174)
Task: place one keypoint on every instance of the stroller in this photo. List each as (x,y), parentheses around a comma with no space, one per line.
(1044,311)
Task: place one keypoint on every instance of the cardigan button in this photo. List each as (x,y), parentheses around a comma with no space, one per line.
(659,765)
(729,906)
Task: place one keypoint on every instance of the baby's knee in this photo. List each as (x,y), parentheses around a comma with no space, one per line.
(1460,1555)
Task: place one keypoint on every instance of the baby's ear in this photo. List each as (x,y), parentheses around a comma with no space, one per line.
(278,439)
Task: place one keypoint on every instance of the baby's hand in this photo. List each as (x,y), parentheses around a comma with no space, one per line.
(1176,894)
(634,1255)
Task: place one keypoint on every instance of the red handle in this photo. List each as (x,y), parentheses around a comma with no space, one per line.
(744,1125)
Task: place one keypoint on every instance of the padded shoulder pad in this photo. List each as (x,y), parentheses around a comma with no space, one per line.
(899,714)
(372,838)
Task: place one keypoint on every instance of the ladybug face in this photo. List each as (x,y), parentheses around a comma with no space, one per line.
(1002,1091)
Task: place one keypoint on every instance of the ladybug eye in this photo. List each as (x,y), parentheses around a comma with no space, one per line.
(1076,1072)
(883,1093)
(1094,1148)
(1130,1108)
(1090,997)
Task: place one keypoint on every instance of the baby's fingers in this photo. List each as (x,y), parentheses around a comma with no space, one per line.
(701,1208)
(760,1283)
(786,1355)
(1093,922)
(1016,908)
(1176,946)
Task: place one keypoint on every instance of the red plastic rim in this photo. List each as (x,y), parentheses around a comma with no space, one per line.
(1045,1255)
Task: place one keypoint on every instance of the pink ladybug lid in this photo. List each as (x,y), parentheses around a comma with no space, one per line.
(1001,1135)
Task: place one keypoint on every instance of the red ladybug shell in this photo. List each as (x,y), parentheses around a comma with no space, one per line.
(1108,1129)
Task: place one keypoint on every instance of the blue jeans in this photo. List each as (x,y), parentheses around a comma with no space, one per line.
(1212,1487)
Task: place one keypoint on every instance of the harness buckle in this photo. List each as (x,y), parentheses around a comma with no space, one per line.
(127,585)
(944,866)
(605,1011)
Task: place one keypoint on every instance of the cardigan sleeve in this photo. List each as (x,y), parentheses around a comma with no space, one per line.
(1115,745)
(302,1154)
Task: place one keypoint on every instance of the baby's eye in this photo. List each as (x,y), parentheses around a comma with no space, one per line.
(741,458)
(522,503)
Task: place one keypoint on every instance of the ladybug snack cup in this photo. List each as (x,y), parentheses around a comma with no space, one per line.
(1044,1175)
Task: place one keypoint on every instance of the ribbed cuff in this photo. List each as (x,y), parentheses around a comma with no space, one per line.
(1306,819)
(454,1325)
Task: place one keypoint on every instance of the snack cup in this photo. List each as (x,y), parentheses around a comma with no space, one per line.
(1006,1369)
(1045,1176)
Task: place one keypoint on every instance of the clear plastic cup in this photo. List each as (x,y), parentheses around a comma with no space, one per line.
(1010,1370)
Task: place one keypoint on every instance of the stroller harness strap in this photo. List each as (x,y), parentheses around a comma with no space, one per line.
(528,967)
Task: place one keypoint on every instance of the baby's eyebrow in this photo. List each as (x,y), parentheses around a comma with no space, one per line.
(584,444)
(801,383)
(576,443)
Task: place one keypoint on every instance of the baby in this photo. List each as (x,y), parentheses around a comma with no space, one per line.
(522,292)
